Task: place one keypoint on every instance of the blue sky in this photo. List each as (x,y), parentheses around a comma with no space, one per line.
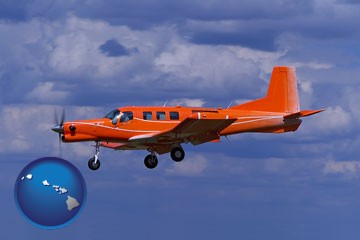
(93,56)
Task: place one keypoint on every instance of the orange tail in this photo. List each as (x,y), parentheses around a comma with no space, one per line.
(282,95)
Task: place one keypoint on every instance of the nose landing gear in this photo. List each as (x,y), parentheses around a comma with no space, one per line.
(94,162)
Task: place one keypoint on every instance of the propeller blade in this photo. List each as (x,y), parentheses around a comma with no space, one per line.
(56,118)
(62,117)
(59,127)
(60,146)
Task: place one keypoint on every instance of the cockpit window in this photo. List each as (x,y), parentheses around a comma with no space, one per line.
(126,116)
(113,116)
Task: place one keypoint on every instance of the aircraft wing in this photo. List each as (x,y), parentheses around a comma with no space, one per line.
(203,127)
(198,128)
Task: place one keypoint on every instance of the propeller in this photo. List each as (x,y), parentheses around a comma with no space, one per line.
(59,127)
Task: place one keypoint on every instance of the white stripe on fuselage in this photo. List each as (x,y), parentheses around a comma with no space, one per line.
(255,120)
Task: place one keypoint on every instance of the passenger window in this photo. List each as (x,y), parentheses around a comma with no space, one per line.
(126,116)
(160,116)
(147,115)
(174,115)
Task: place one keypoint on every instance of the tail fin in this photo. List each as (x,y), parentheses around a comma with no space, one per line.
(282,95)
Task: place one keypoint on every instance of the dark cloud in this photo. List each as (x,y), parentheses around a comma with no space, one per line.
(348,1)
(163,11)
(264,41)
(112,48)
(145,13)
(260,23)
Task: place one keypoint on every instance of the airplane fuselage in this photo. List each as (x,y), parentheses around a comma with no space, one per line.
(152,120)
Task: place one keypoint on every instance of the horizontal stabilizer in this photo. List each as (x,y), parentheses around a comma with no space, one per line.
(303,113)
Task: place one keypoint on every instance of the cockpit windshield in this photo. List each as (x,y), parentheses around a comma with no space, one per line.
(113,115)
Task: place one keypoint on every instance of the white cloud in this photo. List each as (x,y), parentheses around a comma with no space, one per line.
(306,87)
(241,101)
(45,93)
(334,120)
(195,102)
(77,51)
(312,65)
(67,52)
(347,168)
(215,67)
(353,99)
(193,166)
(27,128)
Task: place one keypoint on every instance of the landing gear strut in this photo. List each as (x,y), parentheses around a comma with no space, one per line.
(151,161)
(94,162)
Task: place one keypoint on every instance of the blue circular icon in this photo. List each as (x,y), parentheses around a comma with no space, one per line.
(50,192)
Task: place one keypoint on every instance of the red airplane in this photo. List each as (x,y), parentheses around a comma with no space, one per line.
(163,129)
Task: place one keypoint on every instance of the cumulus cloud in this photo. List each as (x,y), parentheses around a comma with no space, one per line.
(27,128)
(306,87)
(313,65)
(61,60)
(45,93)
(346,168)
(192,102)
(67,52)
(193,166)
(352,101)
(218,69)
(334,120)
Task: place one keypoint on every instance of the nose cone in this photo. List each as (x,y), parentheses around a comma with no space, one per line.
(58,129)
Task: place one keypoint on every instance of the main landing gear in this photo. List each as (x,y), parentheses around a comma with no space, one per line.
(94,162)
(177,154)
(151,161)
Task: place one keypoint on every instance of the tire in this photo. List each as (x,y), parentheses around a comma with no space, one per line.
(92,165)
(151,161)
(177,154)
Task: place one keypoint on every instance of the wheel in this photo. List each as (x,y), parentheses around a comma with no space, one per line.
(151,161)
(92,165)
(177,154)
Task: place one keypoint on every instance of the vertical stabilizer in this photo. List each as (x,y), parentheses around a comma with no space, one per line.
(282,95)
